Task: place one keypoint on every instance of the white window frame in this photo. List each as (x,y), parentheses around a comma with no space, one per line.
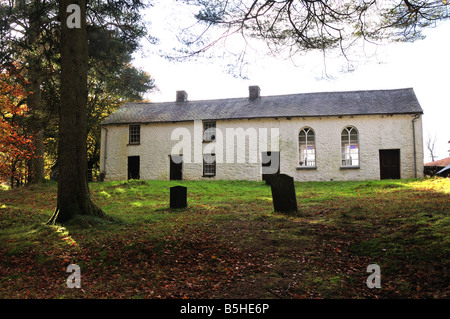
(307,149)
(350,147)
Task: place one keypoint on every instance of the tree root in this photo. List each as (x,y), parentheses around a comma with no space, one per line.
(65,215)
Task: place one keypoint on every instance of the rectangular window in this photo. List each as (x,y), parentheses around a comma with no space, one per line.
(135,134)
(209,131)
(209,165)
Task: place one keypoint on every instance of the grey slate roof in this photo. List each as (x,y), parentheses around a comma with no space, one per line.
(397,101)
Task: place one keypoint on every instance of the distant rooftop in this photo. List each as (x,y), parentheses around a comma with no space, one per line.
(441,163)
(397,101)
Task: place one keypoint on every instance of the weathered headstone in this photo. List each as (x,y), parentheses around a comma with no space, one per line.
(268,178)
(178,197)
(283,193)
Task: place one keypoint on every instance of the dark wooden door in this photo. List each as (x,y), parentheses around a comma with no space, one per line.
(390,164)
(133,167)
(176,167)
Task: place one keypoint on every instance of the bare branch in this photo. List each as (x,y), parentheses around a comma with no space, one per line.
(321,24)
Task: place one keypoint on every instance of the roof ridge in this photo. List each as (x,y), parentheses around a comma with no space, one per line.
(276,95)
(310,104)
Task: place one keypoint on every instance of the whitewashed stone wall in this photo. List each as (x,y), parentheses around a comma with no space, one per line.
(375,132)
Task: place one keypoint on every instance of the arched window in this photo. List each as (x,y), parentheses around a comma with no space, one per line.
(349,146)
(306,148)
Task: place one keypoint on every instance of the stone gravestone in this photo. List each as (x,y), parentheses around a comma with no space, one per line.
(178,197)
(268,178)
(283,193)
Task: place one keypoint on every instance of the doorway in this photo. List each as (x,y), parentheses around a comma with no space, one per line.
(390,164)
(176,167)
(133,167)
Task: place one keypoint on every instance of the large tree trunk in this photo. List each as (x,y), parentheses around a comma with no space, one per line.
(34,95)
(73,189)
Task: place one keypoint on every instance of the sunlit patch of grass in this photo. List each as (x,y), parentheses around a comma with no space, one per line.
(104,194)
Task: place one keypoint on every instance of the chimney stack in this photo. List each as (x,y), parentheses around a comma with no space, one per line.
(181,96)
(254,92)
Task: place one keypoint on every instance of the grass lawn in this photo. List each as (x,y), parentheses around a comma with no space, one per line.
(229,243)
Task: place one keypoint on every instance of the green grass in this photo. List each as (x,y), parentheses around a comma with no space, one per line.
(230,243)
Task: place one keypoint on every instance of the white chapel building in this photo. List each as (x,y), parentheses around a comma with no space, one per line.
(357,135)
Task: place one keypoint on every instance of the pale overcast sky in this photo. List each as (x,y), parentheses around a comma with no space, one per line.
(423,65)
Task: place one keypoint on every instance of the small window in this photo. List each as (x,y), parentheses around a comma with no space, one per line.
(350,147)
(209,165)
(307,148)
(135,134)
(209,131)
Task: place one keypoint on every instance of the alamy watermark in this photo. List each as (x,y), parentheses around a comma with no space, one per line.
(374,280)
(74,19)
(74,280)
(235,145)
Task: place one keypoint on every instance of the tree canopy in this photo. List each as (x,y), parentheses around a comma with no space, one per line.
(30,41)
(305,25)
(15,143)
